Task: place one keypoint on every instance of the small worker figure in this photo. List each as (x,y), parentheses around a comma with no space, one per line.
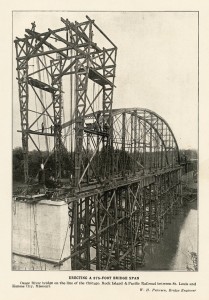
(51,129)
(106,127)
(89,126)
(95,126)
(97,120)
(41,175)
(33,26)
(23,79)
(99,114)
(42,127)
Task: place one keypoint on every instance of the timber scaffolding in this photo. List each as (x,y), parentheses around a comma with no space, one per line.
(123,165)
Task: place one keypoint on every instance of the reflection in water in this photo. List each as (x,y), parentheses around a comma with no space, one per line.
(178,241)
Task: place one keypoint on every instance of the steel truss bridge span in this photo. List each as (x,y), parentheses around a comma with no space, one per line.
(139,141)
(134,193)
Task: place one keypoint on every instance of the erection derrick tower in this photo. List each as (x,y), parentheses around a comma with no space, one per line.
(63,76)
(42,61)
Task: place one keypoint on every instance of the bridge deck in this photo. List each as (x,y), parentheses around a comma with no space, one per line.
(115,183)
(87,190)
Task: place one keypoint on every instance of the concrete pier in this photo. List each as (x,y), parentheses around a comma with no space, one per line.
(40,235)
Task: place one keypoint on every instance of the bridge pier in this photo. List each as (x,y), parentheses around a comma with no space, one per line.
(40,235)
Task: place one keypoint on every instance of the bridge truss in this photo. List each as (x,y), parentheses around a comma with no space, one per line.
(118,169)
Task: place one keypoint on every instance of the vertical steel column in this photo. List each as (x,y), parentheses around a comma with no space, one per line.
(161,206)
(139,140)
(124,163)
(157,208)
(140,228)
(173,163)
(116,228)
(130,227)
(150,211)
(131,141)
(162,154)
(97,232)
(87,153)
(56,67)
(126,223)
(144,144)
(135,138)
(109,59)
(158,148)
(82,72)
(169,152)
(151,158)
(112,150)
(166,142)
(87,257)
(74,241)
(22,72)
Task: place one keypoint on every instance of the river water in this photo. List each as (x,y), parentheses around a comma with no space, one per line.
(179,240)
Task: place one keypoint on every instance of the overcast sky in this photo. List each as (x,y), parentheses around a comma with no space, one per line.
(157,63)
